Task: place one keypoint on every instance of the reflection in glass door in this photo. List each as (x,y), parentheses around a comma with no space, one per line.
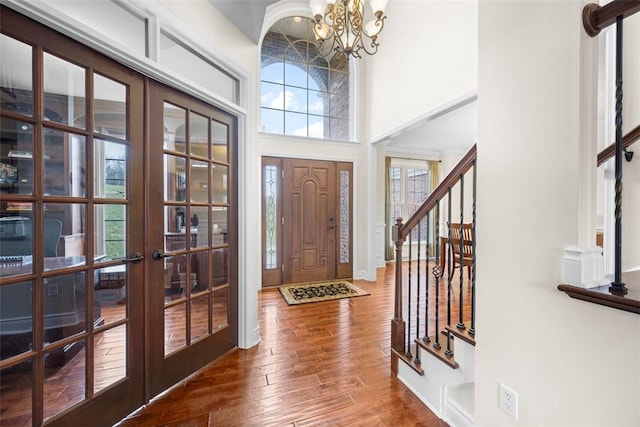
(193,279)
(67,229)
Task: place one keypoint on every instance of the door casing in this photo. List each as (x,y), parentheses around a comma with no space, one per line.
(313,241)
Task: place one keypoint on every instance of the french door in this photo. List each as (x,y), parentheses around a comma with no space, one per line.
(307,220)
(192,235)
(118,233)
(71,241)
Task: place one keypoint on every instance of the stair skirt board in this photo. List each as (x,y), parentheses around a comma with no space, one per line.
(411,380)
(431,388)
(459,405)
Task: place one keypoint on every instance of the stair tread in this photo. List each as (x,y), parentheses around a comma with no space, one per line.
(463,334)
(439,353)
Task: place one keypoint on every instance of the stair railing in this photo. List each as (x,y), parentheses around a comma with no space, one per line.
(617,295)
(433,301)
(595,18)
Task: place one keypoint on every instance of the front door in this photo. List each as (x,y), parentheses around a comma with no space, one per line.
(192,234)
(312,240)
(71,240)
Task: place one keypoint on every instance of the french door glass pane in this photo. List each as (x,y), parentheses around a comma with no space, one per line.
(199,179)
(16,157)
(110,231)
(173,282)
(220,221)
(110,161)
(200,225)
(199,317)
(110,350)
(110,107)
(199,135)
(175,178)
(219,314)
(219,183)
(67,220)
(175,234)
(175,328)
(64,306)
(64,386)
(220,266)
(16,306)
(110,293)
(175,120)
(16,77)
(16,244)
(65,164)
(64,90)
(17,387)
(200,261)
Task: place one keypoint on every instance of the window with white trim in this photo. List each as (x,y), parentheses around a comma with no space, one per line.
(302,92)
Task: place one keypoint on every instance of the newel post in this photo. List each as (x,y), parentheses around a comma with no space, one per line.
(397,323)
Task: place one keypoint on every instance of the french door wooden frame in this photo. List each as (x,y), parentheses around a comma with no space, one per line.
(128,392)
(148,371)
(165,370)
(307,221)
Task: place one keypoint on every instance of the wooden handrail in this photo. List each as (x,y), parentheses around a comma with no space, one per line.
(627,140)
(595,17)
(441,190)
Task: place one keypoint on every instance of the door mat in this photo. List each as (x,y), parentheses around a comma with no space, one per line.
(319,291)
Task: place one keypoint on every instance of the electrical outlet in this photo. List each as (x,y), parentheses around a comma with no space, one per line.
(508,401)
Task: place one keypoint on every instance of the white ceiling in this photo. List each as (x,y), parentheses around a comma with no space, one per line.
(247,15)
(450,128)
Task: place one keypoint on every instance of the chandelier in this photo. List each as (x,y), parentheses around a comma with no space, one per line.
(341,25)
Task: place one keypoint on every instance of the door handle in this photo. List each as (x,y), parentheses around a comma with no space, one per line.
(158,254)
(134,258)
(331,224)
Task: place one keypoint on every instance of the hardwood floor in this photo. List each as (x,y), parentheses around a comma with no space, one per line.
(319,364)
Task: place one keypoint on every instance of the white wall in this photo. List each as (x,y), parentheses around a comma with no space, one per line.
(427,58)
(573,363)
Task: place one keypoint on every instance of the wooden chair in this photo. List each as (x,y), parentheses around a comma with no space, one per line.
(454,252)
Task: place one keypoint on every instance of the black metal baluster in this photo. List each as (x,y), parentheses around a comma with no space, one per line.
(617,286)
(472,329)
(417,358)
(461,324)
(448,352)
(426,279)
(408,353)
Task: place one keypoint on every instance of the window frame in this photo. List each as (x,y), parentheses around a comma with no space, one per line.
(329,115)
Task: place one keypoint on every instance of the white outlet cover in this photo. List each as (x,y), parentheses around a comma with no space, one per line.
(508,401)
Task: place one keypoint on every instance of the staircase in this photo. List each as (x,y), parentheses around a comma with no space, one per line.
(433,329)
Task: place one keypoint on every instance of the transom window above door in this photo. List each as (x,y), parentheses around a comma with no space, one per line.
(303,91)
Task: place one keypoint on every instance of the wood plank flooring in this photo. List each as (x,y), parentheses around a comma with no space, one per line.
(318,364)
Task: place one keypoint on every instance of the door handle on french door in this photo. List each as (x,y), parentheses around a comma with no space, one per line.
(158,254)
(134,258)
(331,224)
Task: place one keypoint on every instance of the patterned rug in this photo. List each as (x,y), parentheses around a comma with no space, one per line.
(321,291)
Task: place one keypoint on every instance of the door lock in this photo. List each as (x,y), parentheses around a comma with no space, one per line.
(331,224)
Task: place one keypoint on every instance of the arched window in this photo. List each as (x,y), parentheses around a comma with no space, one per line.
(304,92)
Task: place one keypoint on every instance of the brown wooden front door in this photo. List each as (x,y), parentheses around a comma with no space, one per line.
(307,222)
(310,220)
(192,289)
